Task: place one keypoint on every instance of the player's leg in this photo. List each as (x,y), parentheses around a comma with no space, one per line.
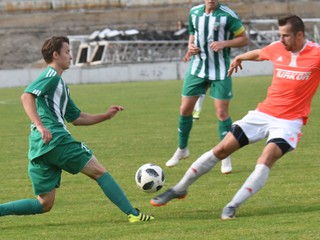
(108,185)
(113,191)
(193,87)
(44,181)
(207,161)
(42,204)
(224,126)
(200,167)
(255,181)
(184,129)
(221,91)
(283,136)
(198,107)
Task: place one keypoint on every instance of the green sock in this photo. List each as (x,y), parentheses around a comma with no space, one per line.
(224,127)
(21,207)
(113,191)
(185,125)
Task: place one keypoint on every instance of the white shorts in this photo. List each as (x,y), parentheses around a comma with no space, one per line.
(257,125)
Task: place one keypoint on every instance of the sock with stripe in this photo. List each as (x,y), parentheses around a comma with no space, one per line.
(224,127)
(185,125)
(201,166)
(114,192)
(253,184)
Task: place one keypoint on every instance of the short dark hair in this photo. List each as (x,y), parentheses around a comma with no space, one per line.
(296,23)
(51,45)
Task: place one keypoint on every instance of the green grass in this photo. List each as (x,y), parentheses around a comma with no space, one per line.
(288,207)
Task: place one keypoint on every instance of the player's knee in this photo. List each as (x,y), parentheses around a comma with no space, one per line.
(94,169)
(46,201)
(186,111)
(220,152)
(46,205)
(222,115)
(47,208)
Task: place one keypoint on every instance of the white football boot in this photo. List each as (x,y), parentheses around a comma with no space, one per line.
(226,166)
(177,156)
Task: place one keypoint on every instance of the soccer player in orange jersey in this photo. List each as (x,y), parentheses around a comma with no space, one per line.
(279,118)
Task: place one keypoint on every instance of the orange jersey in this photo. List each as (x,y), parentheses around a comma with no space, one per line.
(295,80)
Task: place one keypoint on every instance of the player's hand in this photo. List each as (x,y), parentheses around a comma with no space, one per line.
(186,57)
(193,50)
(217,46)
(235,64)
(45,133)
(113,110)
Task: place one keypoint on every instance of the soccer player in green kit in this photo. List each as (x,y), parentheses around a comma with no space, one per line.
(213,29)
(47,103)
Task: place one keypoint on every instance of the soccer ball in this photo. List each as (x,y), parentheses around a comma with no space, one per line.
(150,178)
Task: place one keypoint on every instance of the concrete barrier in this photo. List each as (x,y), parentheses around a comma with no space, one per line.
(122,73)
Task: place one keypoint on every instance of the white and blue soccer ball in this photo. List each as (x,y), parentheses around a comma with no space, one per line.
(150,178)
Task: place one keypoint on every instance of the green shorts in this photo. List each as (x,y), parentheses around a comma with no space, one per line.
(196,86)
(45,171)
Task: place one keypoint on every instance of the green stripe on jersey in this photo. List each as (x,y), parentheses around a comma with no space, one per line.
(221,25)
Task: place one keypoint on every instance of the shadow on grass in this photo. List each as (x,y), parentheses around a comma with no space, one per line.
(277,210)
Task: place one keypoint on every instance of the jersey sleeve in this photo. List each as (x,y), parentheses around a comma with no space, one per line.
(42,86)
(266,52)
(236,25)
(72,111)
(191,29)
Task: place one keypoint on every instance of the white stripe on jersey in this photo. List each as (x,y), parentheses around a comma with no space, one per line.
(228,10)
(36,92)
(57,102)
(51,73)
(201,38)
(212,70)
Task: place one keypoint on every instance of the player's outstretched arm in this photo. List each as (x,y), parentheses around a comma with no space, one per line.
(236,63)
(90,119)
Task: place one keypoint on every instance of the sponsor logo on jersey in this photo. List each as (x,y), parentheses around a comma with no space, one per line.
(292,75)
(216,26)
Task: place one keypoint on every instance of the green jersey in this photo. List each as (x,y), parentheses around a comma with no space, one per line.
(54,105)
(222,24)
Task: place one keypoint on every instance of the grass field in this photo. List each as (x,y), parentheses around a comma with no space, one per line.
(288,207)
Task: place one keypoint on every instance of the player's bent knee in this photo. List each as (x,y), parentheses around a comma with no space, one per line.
(47,208)
(47,201)
(220,152)
(46,205)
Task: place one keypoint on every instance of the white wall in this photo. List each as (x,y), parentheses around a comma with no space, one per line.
(122,73)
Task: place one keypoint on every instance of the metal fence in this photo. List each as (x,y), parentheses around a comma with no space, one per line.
(92,50)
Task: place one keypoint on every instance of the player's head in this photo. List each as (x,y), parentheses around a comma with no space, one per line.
(291,29)
(57,49)
(294,21)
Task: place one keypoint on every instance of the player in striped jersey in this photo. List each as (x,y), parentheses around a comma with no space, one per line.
(279,118)
(52,149)
(214,29)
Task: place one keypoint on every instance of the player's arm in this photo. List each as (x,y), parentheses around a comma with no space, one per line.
(29,104)
(192,49)
(238,41)
(90,119)
(236,63)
